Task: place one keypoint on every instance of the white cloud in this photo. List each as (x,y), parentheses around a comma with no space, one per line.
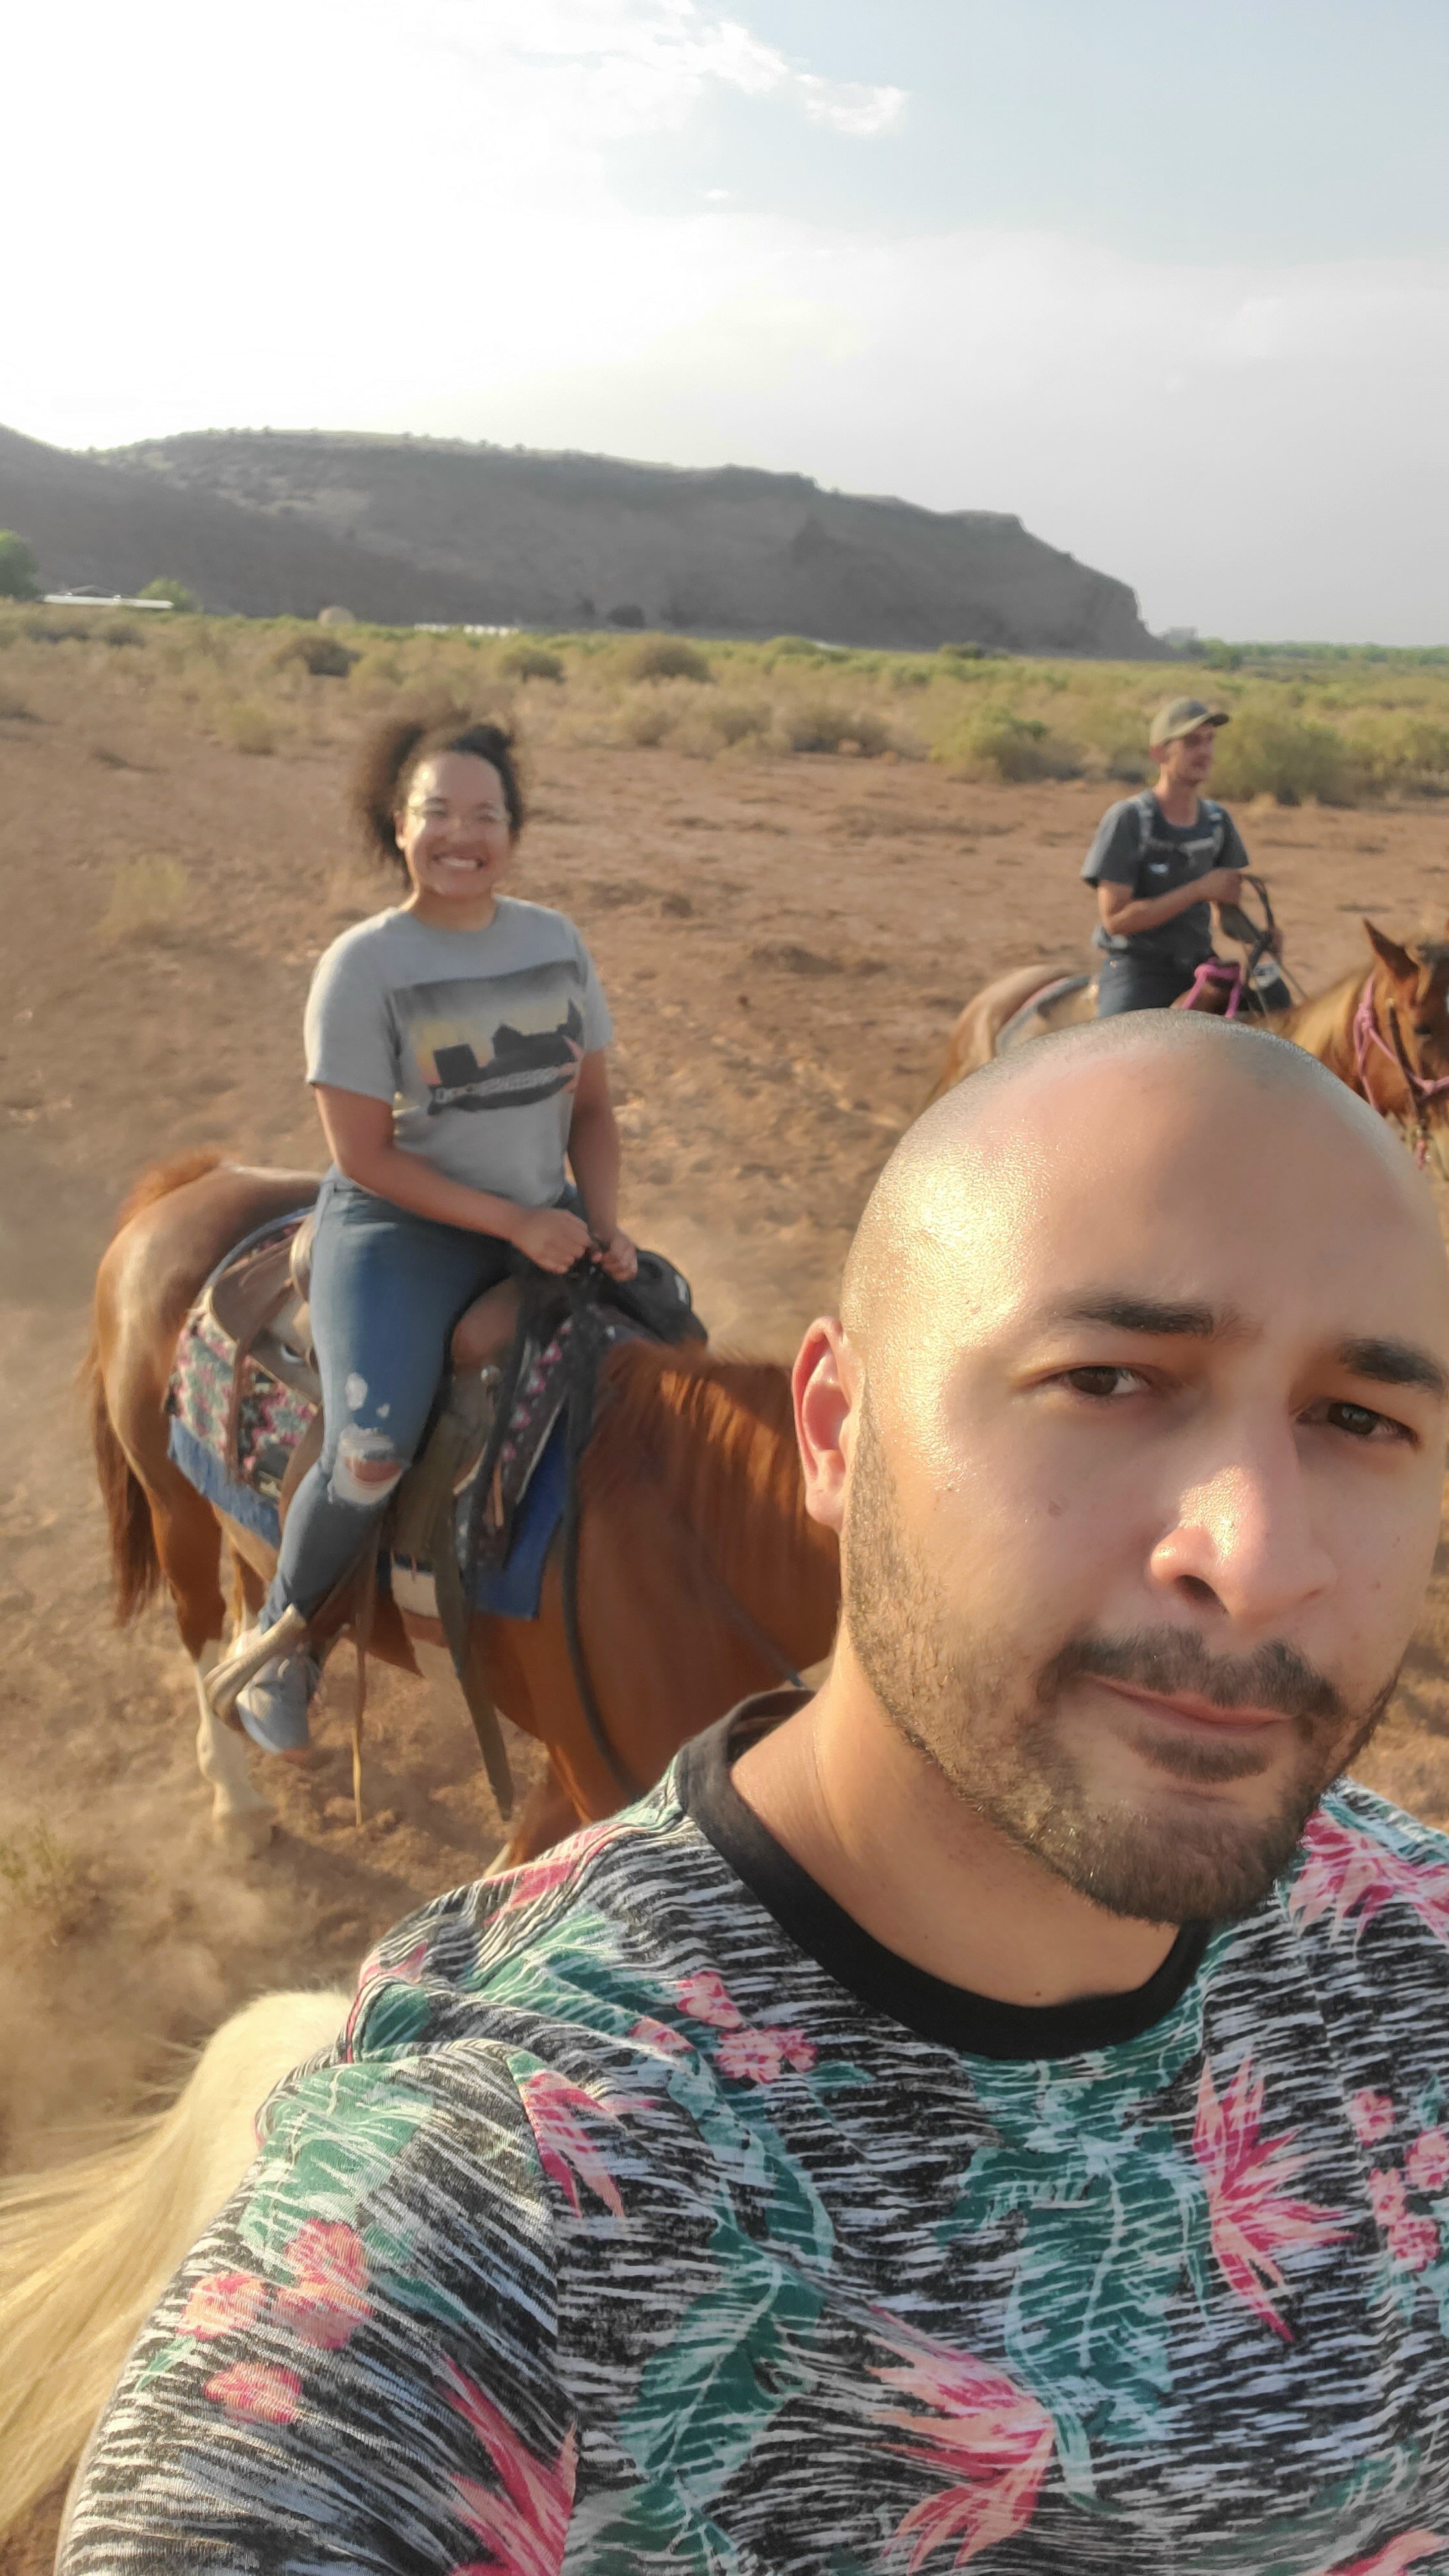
(632,67)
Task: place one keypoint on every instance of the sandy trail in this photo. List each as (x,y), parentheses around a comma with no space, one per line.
(784,944)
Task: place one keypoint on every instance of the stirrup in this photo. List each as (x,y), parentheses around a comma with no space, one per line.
(226,1681)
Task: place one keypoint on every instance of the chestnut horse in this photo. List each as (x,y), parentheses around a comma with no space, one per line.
(1350,1028)
(696,1555)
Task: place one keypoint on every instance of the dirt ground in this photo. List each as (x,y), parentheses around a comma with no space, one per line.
(784,943)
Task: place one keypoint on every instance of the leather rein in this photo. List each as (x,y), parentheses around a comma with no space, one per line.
(587,1343)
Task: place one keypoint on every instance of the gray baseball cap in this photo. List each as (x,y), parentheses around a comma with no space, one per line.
(1183,715)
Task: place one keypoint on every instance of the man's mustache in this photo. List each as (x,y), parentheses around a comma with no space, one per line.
(1175,1660)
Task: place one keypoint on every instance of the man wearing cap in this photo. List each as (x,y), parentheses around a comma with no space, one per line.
(1158,861)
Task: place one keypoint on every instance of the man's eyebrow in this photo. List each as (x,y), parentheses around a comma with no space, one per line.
(1126,1314)
(1390,1363)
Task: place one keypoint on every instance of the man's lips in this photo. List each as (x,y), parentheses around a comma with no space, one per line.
(1188,1708)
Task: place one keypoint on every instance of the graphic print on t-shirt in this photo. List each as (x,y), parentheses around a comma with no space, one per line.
(496,1041)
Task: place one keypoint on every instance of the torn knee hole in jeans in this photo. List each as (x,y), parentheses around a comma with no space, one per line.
(367,1468)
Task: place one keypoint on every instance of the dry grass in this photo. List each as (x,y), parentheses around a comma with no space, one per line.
(148,896)
(1309,726)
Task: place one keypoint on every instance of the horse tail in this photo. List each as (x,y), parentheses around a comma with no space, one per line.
(135,1564)
(86,2251)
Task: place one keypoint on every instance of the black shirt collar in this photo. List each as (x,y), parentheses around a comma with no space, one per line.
(949,2014)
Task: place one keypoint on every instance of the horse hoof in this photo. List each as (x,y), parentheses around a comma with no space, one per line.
(243,1837)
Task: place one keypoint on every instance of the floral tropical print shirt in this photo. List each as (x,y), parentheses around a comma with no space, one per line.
(649,2216)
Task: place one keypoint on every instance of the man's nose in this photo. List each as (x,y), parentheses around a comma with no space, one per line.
(1243,1532)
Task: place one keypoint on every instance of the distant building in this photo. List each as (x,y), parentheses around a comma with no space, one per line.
(86,597)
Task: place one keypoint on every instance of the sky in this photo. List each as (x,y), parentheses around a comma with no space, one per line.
(1172,284)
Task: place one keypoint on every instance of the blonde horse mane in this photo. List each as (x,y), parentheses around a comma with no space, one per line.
(1323,1025)
(86,2250)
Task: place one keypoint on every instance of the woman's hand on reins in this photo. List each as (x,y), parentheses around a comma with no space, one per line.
(552,1239)
(617,1258)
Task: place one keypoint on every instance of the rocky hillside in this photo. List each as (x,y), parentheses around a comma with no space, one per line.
(400,528)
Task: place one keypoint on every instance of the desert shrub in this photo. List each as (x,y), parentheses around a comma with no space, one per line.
(322,653)
(644,722)
(530,662)
(13,709)
(665,657)
(994,743)
(828,724)
(1407,750)
(164,587)
(630,614)
(58,630)
(250,728)
(120,630)
(737,719)
(147,896)
(19,571)
(1263,754)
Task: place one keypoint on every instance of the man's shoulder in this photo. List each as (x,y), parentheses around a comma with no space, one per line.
(1363,1861)
(572,1955)
(1118,835)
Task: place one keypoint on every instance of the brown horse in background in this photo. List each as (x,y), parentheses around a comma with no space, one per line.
(695,1550)
(1350,1028)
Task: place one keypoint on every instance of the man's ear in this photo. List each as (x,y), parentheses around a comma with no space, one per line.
(1403,968)
(824,1383)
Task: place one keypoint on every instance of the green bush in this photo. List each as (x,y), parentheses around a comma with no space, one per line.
(530,662)
(1013,749)
(164,587)
(1400,751)
(19,571)
(665,657)
(1261,754)
(321,651)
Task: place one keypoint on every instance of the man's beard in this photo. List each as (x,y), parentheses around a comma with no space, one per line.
(992,1728)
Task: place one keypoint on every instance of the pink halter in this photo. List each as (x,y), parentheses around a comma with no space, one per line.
(1367,1034)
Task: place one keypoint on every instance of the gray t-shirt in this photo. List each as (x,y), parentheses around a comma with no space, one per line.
(474,1036)
(1135,846)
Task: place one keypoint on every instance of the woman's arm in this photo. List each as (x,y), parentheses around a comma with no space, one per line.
(360,1134)
(594,1154)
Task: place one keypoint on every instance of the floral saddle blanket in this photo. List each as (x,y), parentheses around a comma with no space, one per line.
(245,1408)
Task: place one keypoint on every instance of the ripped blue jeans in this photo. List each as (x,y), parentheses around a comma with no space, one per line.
(387,1289)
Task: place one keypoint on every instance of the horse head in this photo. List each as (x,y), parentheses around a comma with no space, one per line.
(1410,991)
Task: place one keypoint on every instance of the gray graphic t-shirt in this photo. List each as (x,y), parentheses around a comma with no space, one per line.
(474,1036)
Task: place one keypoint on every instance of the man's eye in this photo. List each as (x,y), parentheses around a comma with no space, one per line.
(1360,1421)
(1103,1382)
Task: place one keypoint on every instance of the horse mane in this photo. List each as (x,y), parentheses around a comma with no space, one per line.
(160,1179)
(1323,1025)
(718,1433)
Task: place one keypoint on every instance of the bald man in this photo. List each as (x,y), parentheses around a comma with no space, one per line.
(995,2111)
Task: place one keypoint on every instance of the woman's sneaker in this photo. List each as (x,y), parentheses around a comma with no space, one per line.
(273,1707)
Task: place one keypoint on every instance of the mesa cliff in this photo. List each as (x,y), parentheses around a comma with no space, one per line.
(411,529)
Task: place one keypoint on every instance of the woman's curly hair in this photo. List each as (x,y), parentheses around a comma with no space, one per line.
(392,756)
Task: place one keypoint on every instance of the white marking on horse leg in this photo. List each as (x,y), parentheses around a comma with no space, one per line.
(240,1815)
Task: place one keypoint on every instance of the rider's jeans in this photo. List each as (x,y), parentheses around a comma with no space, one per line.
(387,1289)
(1128,983)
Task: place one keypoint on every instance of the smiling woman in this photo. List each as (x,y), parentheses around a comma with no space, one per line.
(456,1047)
